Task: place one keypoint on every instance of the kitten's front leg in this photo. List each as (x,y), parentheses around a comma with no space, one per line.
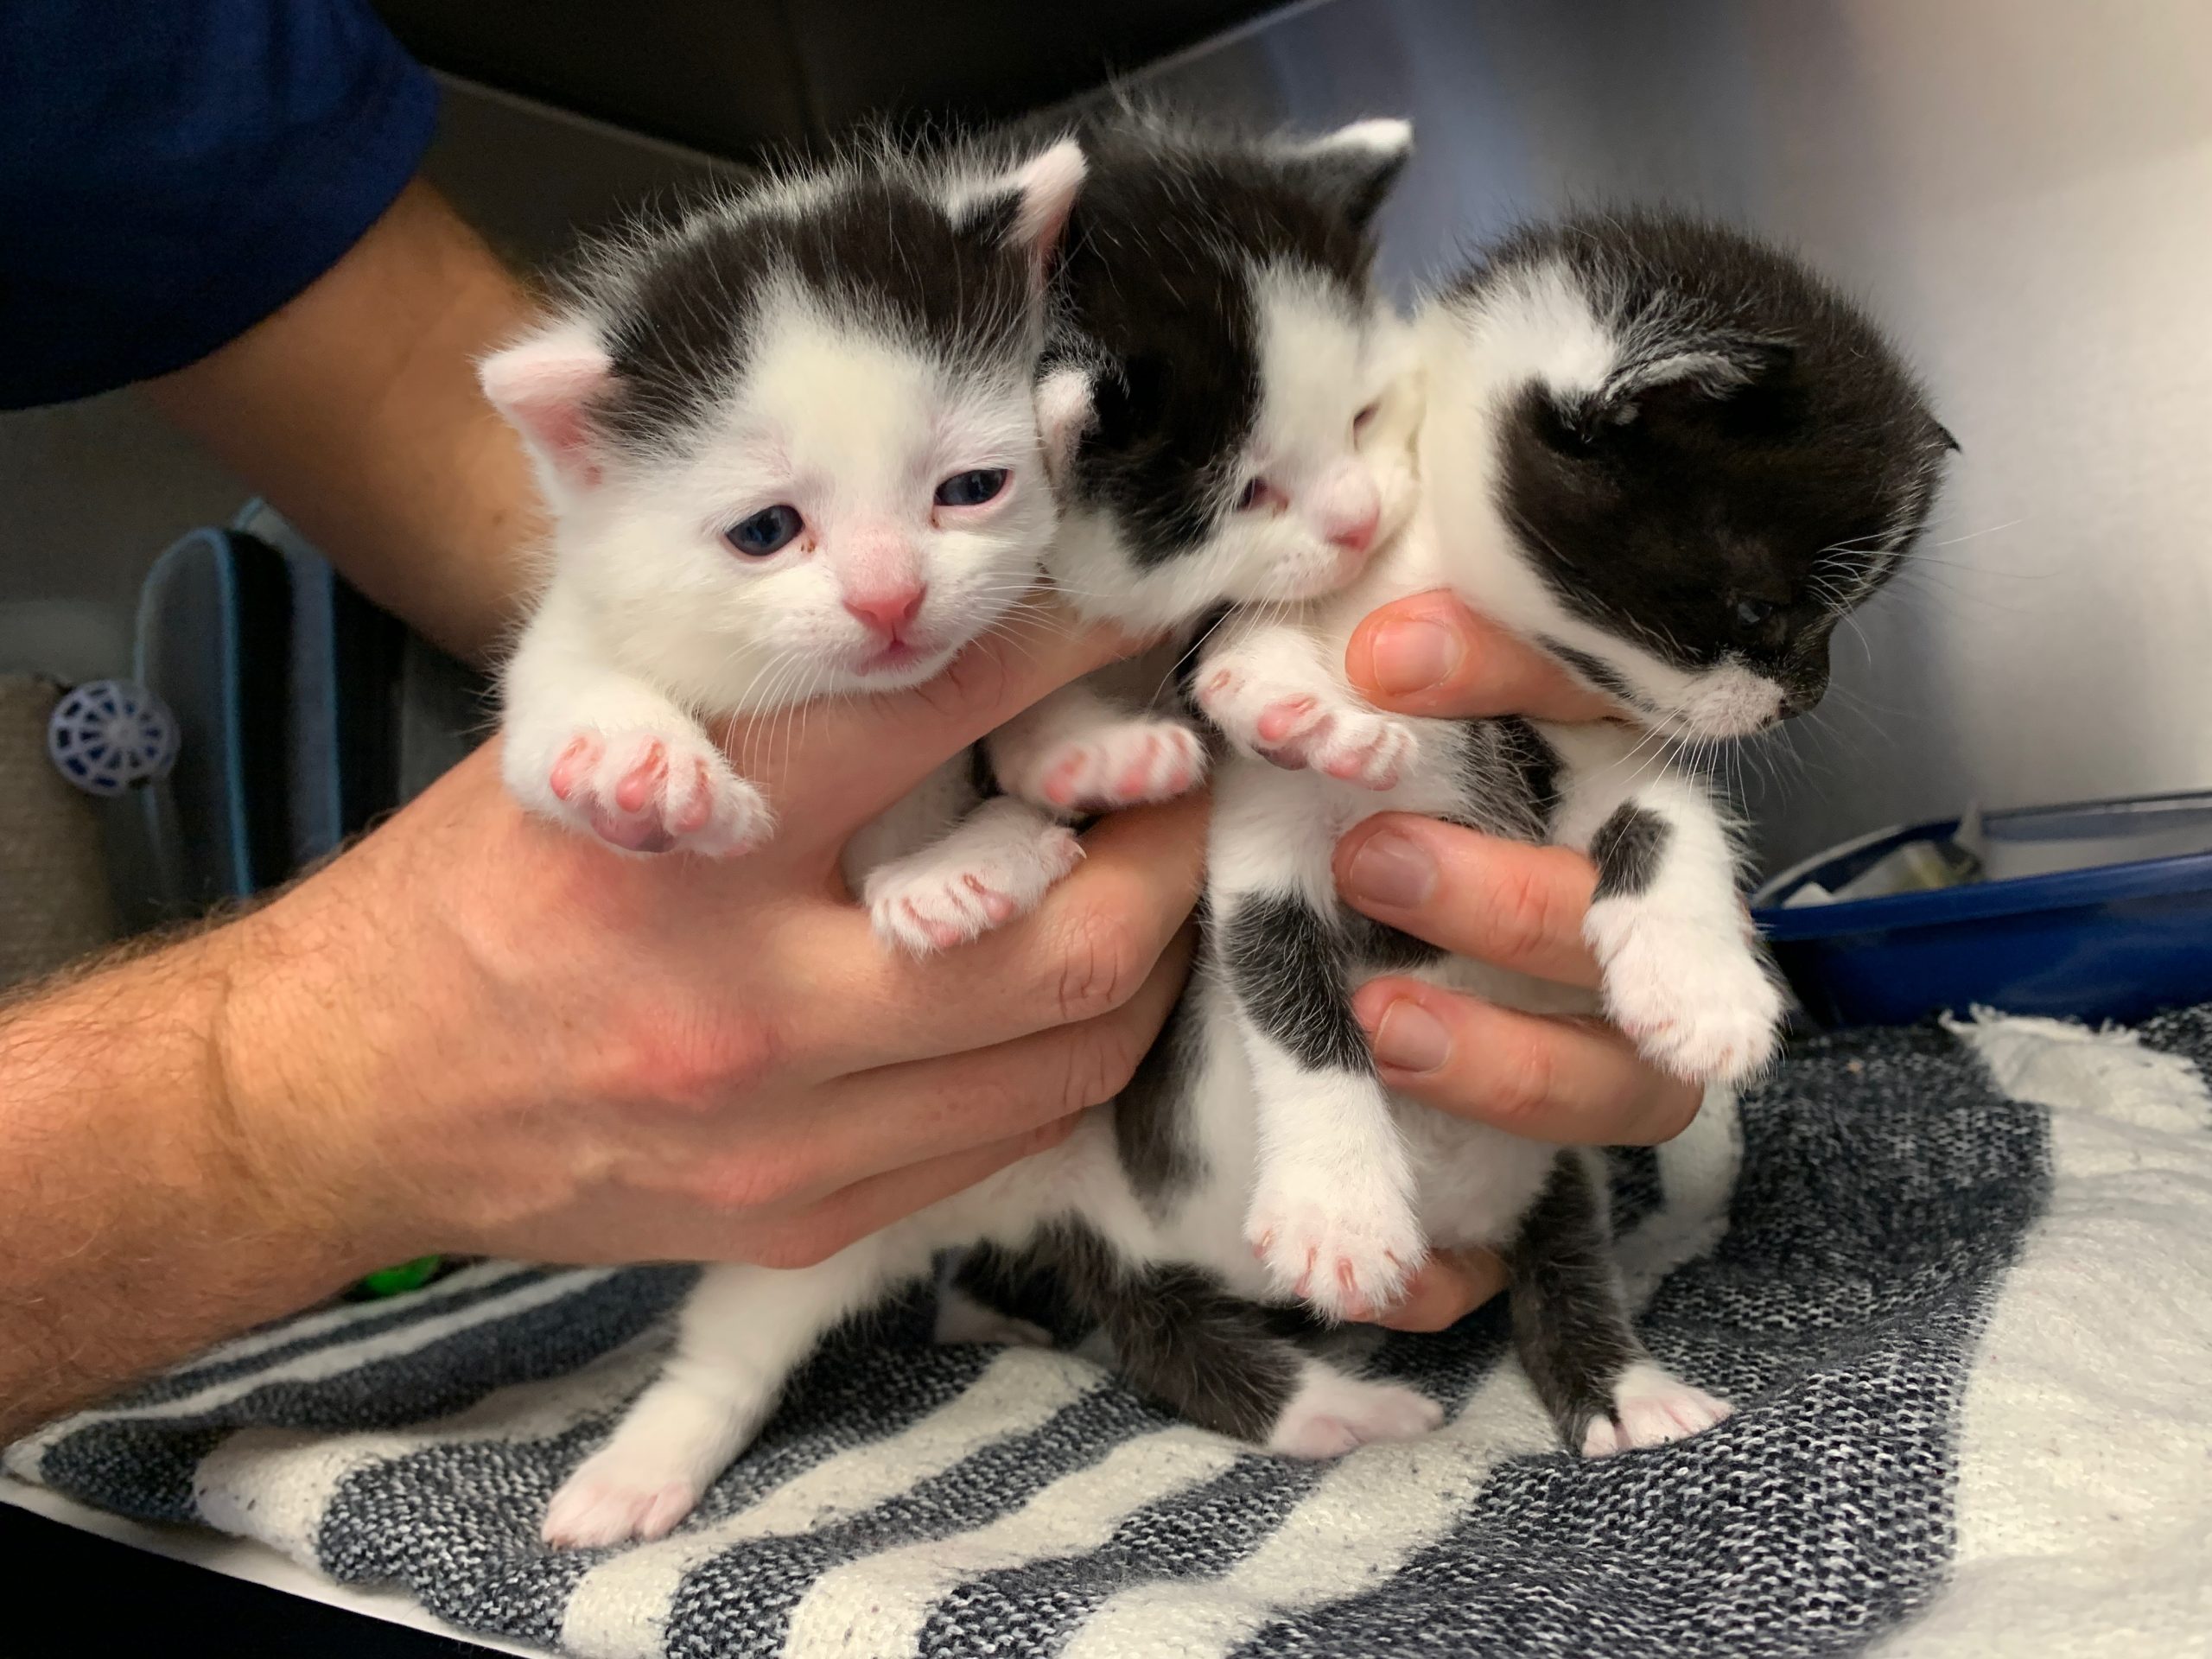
(1684,975)
(601,750)
(1270,690)
(991,866)
(1078,752)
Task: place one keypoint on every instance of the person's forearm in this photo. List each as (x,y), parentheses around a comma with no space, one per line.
(138,1225)
(355,410)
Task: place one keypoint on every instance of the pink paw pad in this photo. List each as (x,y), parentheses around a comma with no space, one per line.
(570,770)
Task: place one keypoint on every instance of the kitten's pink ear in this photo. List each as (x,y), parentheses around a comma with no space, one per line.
(1029,206)
(1351,169)
(545,388)
(1065,411)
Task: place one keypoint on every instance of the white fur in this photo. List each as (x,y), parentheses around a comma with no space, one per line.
(1333,1413)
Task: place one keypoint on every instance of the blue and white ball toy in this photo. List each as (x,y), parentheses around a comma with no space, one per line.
(107,735)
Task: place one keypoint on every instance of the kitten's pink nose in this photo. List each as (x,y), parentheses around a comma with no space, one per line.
(889,610)
(1350,514)
(1354,535)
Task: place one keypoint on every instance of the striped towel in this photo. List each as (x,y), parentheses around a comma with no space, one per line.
(1957,1280)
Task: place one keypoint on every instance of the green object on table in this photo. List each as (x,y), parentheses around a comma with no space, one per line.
(407,1275)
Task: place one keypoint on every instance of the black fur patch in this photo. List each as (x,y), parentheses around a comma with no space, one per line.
(1569,1321)
(1287,968)
(1380,947)
(1509,779)
(870,246)
(1149,1128)
(1599,673)
(1761,456)
(1166,241)
(1178,1337)
(1627,849)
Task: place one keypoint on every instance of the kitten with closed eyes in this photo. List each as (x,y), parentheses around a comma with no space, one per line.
(1238,405)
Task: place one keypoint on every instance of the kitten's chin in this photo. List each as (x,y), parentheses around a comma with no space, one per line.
(894,667)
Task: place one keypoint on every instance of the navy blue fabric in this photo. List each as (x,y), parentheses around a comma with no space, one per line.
(172,171)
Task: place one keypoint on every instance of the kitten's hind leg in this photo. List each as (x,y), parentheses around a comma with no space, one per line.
(1179,1336)
(740,1335)
(1078,752)
(1602,1388)
(993,866)
(1331,1214)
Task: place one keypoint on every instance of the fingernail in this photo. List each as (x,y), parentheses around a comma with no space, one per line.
(1411,1038)
(1392,870)
(1414,655)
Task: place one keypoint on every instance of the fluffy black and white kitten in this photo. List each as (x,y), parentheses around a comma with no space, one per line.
(1241,415)
(1675,457)
(790,448)
(1217,326)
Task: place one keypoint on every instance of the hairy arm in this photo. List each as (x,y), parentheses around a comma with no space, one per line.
(138,1226)
(355,410)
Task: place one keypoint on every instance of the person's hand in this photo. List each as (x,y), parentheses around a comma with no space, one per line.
(1573,1081)
(477,1032)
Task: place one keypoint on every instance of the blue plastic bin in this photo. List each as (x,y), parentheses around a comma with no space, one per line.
(2116,942)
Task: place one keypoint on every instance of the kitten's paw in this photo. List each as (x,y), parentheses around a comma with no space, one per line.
(596,1507)
(1361,746)
(1128,763)
(1695,999)
(654,791)
(1346,1252)
(945,896)
(1651,1407)
(1333,1413)
(1295,729)
(673,1445)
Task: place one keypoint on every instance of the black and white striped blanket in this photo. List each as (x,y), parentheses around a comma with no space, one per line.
(1958,1282)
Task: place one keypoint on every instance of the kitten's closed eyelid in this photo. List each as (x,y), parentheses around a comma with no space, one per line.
(1257,493)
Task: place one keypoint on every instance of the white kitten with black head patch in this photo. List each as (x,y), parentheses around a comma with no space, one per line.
(790,448)
(1234,407)
(1674,458)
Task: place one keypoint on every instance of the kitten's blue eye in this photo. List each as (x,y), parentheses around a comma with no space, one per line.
(1752,613)
(971,489)
(769,530)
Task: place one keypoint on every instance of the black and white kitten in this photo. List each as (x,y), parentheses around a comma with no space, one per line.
(1216,323)
(790,448)
(1675,457)
(1241,415)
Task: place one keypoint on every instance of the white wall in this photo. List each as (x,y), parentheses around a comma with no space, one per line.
(2023,189)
